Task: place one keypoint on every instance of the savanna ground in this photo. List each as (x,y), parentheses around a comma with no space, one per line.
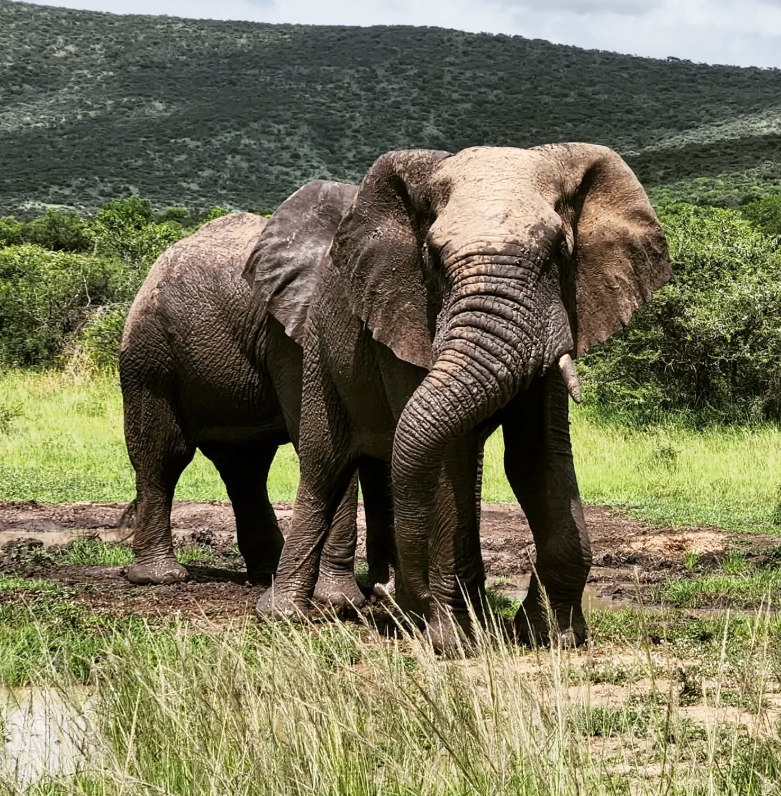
(117,689)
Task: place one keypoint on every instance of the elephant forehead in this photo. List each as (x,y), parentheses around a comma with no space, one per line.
(498,189)
(496,169)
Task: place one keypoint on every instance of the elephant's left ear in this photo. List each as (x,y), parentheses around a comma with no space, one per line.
(620,251)
(282,267)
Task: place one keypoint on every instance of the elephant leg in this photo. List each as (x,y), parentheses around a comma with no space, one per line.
(245,474)
(159,451)
(378,507)
(456,572)
(539,466)
(326,469)
(336,585)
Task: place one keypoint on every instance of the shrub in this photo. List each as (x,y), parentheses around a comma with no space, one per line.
(10,232)
(126,229)
(710,341)
(59,230)
(765,214)
(102,336)
(45,298)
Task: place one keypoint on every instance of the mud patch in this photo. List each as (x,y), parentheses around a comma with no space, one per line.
(627,555)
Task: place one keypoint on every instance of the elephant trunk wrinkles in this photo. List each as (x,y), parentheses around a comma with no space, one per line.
(491,343)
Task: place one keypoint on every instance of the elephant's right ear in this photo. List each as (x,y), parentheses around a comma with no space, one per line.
(378,248)
(283,265)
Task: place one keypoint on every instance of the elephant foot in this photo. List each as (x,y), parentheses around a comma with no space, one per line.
(276,604)
(449,635)
(161,572)
(534,626)
(339,592)
(384,591)
(379,583)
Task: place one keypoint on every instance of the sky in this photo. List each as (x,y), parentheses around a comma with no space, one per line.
(741,32)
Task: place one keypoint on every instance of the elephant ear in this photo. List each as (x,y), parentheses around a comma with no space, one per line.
(379,249)
(282,266)
(620,251)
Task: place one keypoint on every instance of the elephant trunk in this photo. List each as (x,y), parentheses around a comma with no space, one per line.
(491,344)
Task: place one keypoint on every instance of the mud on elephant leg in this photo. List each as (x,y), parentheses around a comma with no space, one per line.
(316,505)
(456,572)
(336,585)
(539,467)
(245,474)
(159,452)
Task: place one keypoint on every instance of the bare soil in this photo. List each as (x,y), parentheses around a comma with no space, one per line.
(628,555)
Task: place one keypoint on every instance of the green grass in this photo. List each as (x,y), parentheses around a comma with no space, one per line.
(93,553)
(61,441)
(64,444)
(16,583)
(736,580)
(743,590)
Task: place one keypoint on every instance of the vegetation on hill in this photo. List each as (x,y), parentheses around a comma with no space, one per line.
(95,106)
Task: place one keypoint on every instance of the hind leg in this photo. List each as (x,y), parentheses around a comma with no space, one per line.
(245,474)
(159,452)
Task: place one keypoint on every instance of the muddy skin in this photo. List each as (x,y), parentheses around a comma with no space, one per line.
(226,380)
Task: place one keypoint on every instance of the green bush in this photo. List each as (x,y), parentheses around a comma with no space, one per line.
(126,229)
(102,336)
(709,344)
(45,298)
(765,214)
(10,232)
(59,230)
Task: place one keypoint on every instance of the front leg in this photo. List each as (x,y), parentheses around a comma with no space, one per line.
(539,466)
(326,469)
(336,585)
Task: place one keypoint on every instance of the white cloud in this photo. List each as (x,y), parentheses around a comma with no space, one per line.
(714,31)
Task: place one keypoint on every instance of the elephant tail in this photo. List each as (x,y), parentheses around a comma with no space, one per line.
(127,522)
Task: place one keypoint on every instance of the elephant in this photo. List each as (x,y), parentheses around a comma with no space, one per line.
(455,294)
(203,365)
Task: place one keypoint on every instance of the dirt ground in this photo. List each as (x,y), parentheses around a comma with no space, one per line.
(627,553)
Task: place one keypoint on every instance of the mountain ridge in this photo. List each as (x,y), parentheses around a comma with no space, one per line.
(203,112)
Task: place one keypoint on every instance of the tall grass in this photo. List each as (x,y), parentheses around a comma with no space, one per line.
(339,710)
(61,440)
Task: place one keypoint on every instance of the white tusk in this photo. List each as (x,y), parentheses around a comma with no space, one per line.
(570,376)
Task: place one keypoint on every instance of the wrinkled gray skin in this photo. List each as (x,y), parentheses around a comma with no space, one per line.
(454,286)
(202,365)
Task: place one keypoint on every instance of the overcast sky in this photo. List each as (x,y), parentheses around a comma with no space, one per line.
(745,32)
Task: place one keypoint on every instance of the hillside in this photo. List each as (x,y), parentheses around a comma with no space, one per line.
(199,113)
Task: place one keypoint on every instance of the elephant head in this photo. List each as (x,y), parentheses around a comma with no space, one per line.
(488,268)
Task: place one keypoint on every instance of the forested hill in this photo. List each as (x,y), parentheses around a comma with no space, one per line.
(198,113)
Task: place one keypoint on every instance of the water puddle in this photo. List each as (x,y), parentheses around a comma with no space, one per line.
(592,601)
(43,731)
(57,538)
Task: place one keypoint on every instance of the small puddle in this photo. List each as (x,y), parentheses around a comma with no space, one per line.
(57,538)
(51,538)
(591,600)
(44,732)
